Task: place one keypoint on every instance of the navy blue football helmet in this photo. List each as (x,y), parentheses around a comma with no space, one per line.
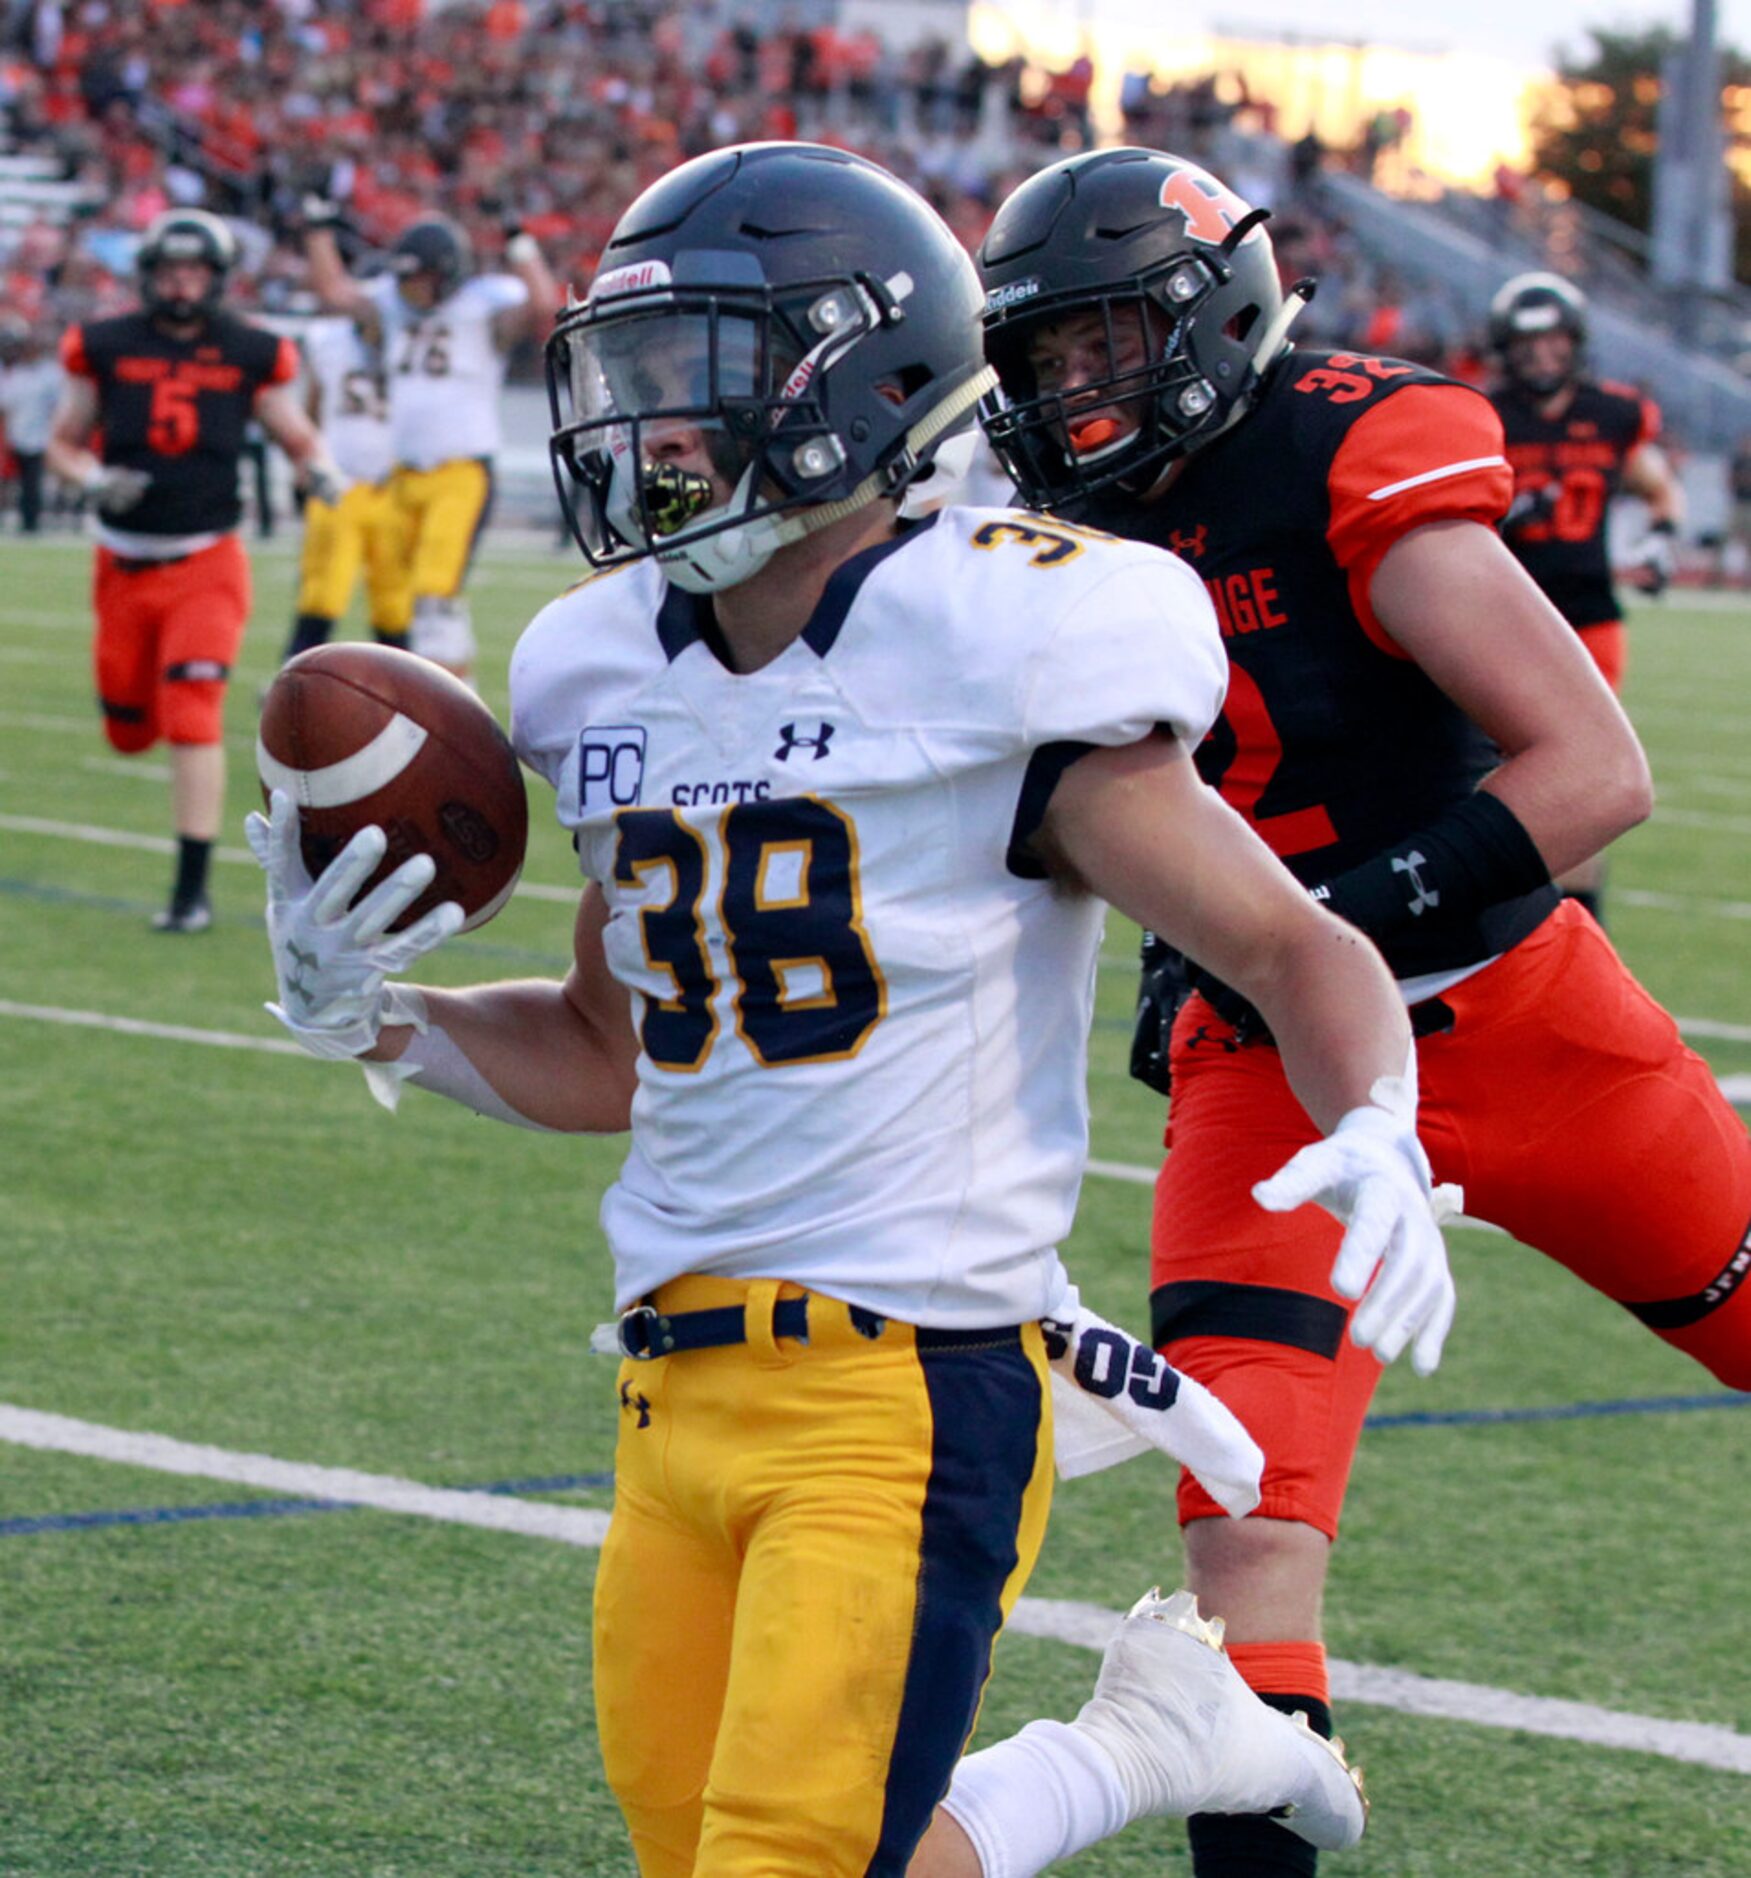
(802,316)
(437,247)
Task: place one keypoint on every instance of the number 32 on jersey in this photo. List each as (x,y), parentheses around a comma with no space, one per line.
(787,930)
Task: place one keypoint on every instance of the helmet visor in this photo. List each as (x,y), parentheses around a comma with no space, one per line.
(666,419)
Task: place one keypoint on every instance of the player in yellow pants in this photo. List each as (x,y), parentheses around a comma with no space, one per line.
(441,514)
(876,1482)
(365,529)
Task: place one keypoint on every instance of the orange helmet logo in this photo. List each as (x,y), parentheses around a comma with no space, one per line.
(1211,208)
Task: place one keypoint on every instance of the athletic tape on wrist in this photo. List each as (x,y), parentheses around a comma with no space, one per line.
(433,1056)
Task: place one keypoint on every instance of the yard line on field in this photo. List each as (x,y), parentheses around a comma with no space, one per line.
(53,618)
(1737,1089)
(1711,783)
(1088,1626)
(1691,905)
(1707,1027)
(1703,818)
(164,1033)
(131,767)
(163,844)
(108,837)
(1063,1620)
(61,1434)
(35,720)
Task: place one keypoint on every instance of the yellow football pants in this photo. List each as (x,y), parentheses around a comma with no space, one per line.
(366,528)
(443,510)
(813,1548)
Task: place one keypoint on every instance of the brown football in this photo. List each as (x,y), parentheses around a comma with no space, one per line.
(357,734)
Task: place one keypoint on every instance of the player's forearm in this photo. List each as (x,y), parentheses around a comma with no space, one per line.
(329,279)
(1335,1013)
(524,258)
(1575,798)
(72,462)
(538,1052)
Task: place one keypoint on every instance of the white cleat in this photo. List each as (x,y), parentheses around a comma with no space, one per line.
(1189,1736)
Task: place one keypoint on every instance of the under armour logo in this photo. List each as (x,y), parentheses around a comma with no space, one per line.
(1423,895)
(1190,542)
(792,741)
(631,1398)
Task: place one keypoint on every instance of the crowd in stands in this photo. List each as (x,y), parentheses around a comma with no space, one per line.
(550,115)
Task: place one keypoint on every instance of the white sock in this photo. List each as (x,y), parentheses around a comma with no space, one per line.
(1042,1795)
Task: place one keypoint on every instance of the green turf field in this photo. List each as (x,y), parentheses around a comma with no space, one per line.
(237,1248)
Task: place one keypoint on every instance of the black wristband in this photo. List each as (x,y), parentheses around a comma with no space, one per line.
(1664,526)
(1474,856)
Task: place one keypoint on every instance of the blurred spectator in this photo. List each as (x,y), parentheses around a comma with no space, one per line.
(30,388)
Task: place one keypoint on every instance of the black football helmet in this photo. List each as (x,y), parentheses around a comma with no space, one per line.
(185,235)
(1149,243)
(1537,303)
(803,315)
(437,246)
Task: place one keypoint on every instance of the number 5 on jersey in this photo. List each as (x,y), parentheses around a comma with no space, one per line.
(789,918)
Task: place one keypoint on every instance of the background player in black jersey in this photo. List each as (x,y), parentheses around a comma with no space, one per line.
(1574,443)
(1418,734)
(152,426)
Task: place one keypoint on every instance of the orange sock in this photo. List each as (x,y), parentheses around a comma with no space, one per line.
(1282,1668)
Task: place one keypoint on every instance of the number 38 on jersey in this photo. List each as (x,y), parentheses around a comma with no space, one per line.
(784,931)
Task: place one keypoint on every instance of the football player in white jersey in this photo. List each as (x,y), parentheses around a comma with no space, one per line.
(847,796)
(344,392)
(444,331)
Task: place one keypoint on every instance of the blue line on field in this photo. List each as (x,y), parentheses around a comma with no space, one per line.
(264,1509)
(1561,1412)
(562,1483)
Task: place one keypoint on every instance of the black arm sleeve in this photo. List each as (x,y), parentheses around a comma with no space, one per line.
(1468,859)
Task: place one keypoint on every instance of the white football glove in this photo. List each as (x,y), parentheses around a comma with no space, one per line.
(115,488)
(330,957)
(325,481)
(1371,1173)
(1654,558)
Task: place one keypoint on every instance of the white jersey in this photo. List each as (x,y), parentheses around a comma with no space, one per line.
(444,368)
(864,1012)
(355,410)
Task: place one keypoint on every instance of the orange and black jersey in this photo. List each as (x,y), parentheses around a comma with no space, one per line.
(1566,471)
(176,408)
(1333,743)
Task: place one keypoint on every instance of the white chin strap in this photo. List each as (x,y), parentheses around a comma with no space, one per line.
(710,563)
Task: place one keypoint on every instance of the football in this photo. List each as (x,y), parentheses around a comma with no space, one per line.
(357,734)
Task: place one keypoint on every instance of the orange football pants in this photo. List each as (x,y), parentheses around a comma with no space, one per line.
(1560,1097)
(167,637)
(1608,645)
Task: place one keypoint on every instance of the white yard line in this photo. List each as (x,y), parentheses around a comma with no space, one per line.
(162,844)
(498,1512)
(1086,1626)
(1702,818)
(134,769)
(1737,1089)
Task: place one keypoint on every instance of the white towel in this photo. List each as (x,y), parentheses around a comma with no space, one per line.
(1114,1397)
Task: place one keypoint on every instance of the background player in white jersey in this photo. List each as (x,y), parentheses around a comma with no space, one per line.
(444,332)
(844,794)
(345,394)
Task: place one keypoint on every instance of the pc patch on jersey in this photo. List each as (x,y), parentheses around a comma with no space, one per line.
(610,767)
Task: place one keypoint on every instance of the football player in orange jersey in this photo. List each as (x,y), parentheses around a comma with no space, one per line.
(1420,737)
(1573,442)
(170,388)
